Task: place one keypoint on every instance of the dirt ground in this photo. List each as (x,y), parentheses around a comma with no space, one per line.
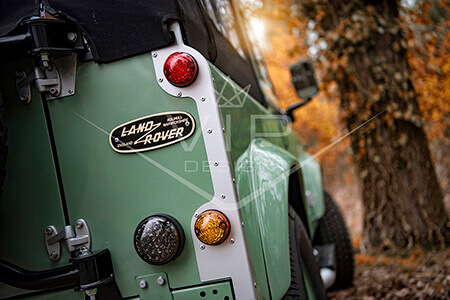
(418,276)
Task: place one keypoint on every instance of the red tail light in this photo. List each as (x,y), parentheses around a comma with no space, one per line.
(180,69)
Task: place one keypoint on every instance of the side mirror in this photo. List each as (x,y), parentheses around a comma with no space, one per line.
(305,83)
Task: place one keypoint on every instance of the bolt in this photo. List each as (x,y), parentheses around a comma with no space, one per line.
(216,163)
(23,98)
(202,247)
(232,241)
(203,99)
(84,251)
(72,36)
(19,74)
(223,196)
(54,256)
(160,280)
(142,284)
(78,224)
(48,230)
(70,91)
(179,94)
(209,130)
(160,79)
(155,55)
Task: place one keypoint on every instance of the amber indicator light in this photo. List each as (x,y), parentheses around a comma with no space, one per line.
(212,227)
(180,69)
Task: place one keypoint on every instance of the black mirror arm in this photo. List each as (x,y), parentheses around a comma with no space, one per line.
(291,108)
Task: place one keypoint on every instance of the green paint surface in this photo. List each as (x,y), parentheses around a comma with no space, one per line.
(30,199)
(113,192)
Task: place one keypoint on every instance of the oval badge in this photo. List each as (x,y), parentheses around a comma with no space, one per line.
(152,132)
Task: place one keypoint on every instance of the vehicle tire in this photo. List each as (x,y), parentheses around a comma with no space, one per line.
(3,146)
(332,230)
(300,250)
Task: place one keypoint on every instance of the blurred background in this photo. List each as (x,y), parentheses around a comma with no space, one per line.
(372,56)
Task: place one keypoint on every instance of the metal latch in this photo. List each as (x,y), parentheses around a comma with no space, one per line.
(56,80)
(78,239)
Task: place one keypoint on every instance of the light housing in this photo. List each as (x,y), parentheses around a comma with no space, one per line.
(158,239)
(180,69)
(212,227)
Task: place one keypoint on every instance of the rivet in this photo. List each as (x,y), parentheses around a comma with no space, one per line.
(209,130)
(179,94)
(142,284)
(160,280)
(202,247)
(48,230)
(216,163)
(155,54)
(160,79)
(232,241)
(203,99)
(78,224)
(53,91)
(223,196)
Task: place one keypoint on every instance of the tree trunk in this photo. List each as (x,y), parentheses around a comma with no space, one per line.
(367,53)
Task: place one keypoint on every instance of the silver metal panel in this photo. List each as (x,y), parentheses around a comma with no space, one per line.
(229,259)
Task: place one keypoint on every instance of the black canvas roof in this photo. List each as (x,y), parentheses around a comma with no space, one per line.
(115,28)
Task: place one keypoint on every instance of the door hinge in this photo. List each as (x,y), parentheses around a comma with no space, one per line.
(77,239)
(55,81)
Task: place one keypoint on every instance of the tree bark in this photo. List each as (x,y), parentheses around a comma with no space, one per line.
(367,57)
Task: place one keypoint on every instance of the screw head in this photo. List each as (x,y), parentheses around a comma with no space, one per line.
(70,91)
(202,247)
(223,196)
(196,215)
(203,99)
(78,224)
(160,79)
(232,241)
(160,280)
(216,163)
(254,284)
(209,130)
(53,256)
(142,284)
(19,74)
(179,94)
(155,55)
(242,224)
(48,230)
